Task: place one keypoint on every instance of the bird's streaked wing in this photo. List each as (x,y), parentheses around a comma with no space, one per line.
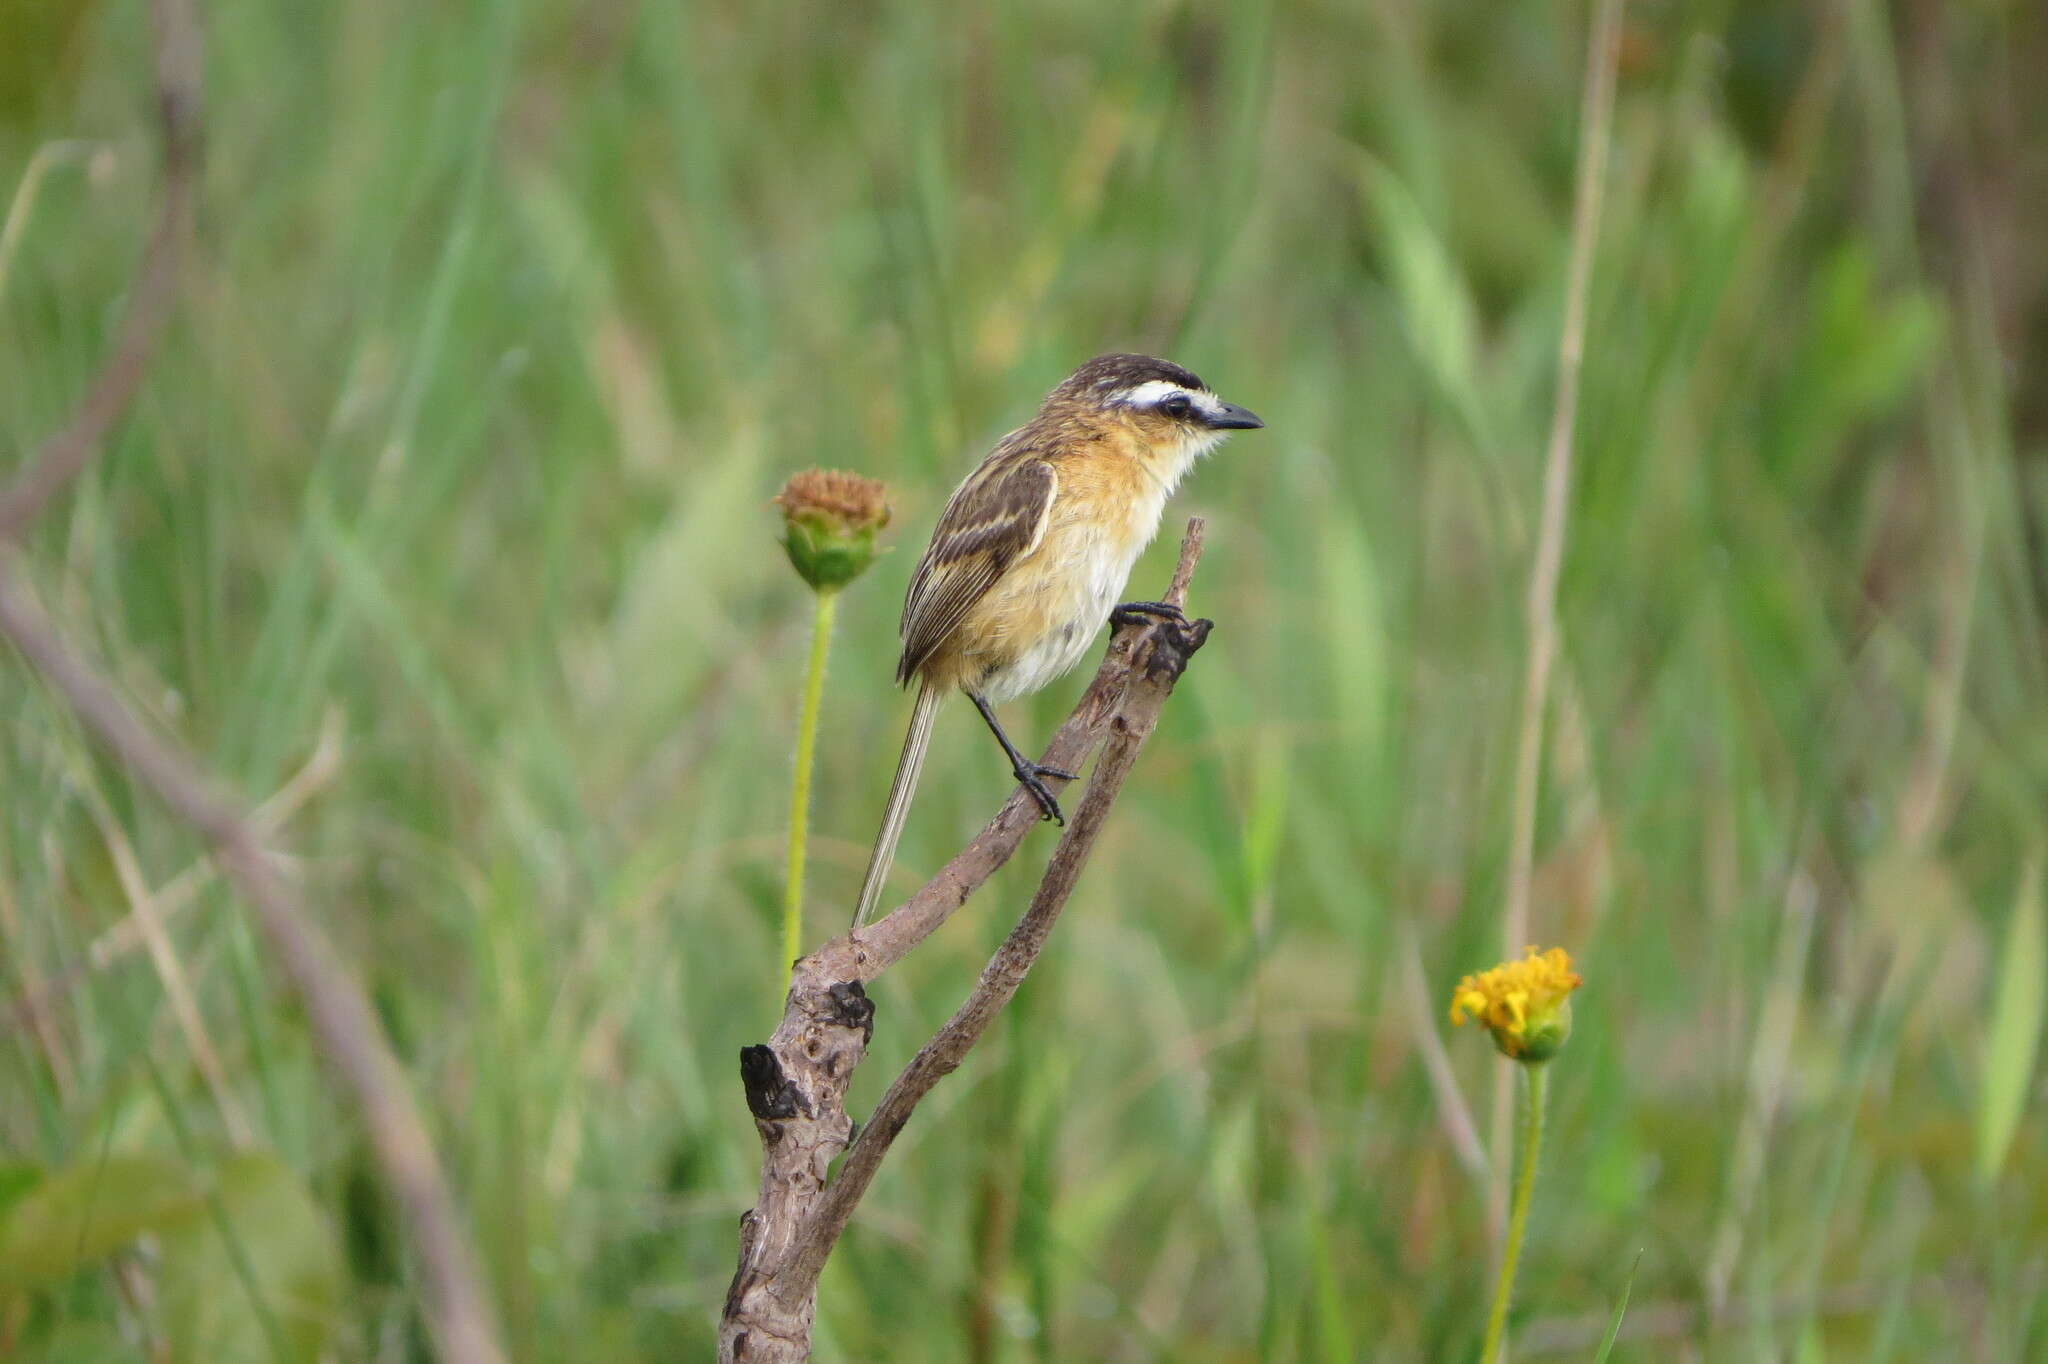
(996,518)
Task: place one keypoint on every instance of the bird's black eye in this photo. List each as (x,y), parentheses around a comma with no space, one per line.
(1176,405)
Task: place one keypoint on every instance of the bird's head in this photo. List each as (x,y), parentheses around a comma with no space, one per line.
(1163,404)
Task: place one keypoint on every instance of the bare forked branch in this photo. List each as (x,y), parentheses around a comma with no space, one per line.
(343,1024)
(796,1082)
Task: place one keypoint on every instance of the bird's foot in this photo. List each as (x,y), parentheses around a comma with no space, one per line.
(1138,612)
(1029,777)
(1170,646)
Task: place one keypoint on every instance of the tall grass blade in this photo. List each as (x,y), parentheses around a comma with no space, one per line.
(2015,1028)
(1620,1311)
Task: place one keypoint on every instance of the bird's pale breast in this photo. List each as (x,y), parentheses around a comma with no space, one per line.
(1040,618)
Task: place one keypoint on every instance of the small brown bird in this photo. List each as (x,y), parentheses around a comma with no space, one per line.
(1033,549)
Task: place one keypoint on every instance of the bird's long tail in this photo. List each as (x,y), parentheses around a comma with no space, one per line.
(907,767)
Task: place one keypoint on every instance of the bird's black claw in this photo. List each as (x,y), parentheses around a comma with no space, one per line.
(1048,807)
(1138,612)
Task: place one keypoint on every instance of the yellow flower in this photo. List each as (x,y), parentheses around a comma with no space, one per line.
(831,518)
(1525,1004)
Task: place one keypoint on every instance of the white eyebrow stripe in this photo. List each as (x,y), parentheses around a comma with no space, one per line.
(1155,391)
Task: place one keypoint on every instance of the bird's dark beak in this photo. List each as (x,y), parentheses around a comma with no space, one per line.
(1235,418)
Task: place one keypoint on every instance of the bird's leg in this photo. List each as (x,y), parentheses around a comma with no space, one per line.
(1137,612)
(1028,772)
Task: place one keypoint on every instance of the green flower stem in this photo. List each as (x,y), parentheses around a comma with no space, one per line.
(1531,1143)
(800,786)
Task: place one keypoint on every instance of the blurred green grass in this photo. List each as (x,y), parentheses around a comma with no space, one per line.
(508,318)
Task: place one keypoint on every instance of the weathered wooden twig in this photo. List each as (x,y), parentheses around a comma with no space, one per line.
(796,1082)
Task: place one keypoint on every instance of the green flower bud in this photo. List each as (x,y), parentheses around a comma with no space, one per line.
(1546,1035)
(830,521)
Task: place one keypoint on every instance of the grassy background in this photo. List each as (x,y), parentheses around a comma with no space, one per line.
(444,517)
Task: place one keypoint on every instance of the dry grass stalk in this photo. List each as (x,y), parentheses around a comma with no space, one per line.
(343,1024)
(1596,118)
